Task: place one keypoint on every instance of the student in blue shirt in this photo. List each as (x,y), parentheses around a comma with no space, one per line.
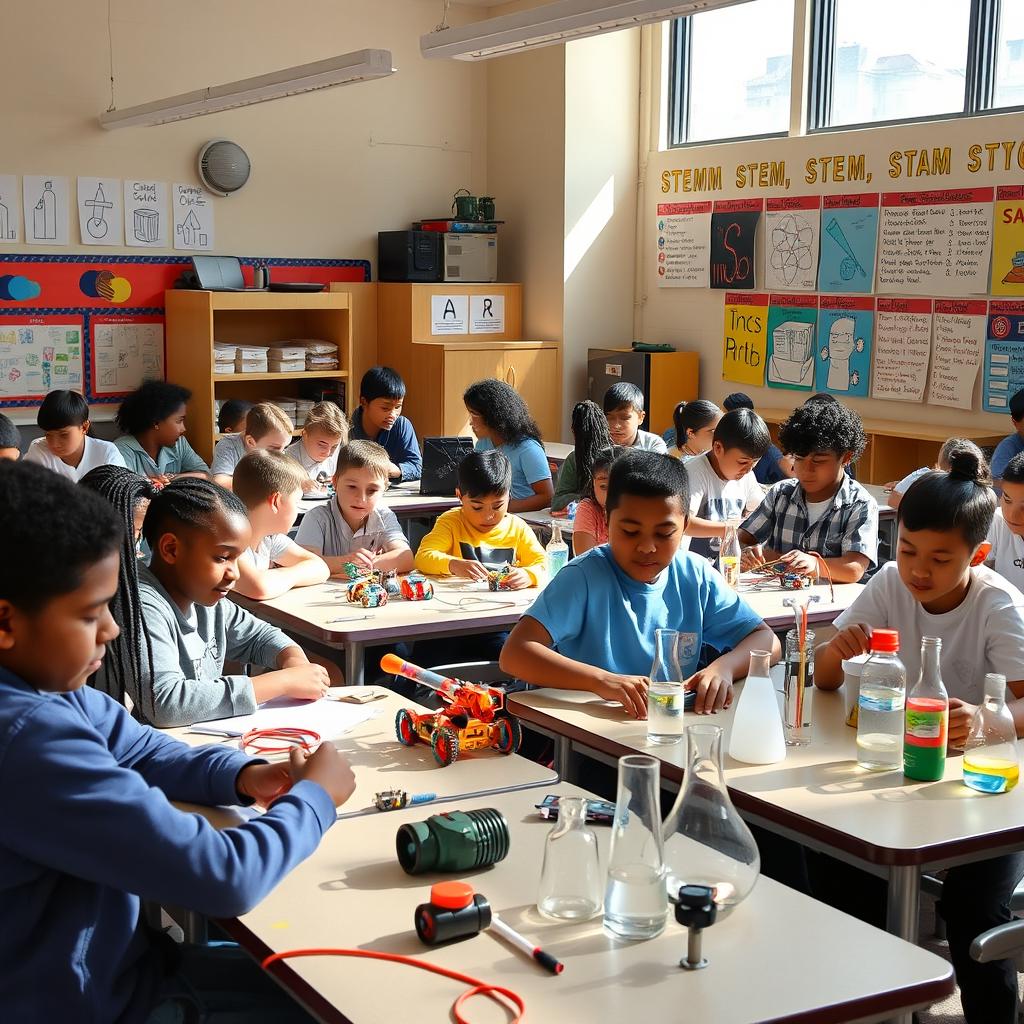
(500,419)
(379,418)
(89,826)
(1012,445)
(593,627)
(153,420)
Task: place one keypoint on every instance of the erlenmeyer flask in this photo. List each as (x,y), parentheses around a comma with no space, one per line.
(757,736)
(570,878)
(635,904)
(706,841)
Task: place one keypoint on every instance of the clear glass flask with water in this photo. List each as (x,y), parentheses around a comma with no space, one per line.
(729,555)
(757,735)
(571,883)
(635,901)
(991,759)
(706,841)
(666,696)
(880,705)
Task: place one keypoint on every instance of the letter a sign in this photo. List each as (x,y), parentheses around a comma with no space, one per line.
(449,314)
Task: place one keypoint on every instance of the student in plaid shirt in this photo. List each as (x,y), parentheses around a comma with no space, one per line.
(823,512)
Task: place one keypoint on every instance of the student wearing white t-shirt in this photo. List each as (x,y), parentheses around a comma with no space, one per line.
(722,483)
(1007,533)
(938,587)
(66,446)
(897,488)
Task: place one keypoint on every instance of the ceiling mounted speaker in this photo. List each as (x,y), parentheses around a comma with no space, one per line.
(223,167)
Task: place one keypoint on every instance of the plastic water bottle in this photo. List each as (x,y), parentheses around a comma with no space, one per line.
(880,706)
(729,556)
(556,554)
(991,762)
(924,740)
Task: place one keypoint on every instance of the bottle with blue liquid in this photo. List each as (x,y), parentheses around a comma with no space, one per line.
(991,763)
(556,553)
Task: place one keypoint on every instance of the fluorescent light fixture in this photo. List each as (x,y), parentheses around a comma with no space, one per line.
(321,74)
(554,23)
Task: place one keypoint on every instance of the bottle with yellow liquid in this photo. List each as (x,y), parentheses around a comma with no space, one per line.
(990,754)
(729,556)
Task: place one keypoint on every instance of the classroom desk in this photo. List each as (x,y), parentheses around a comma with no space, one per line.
(886,522)
(557,453)
(314,612)
(767,600)
(764,964)
(817,796)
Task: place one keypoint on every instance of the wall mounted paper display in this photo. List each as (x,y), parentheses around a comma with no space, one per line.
(145,214)
(903,346)
(449,314)
(45,198)
(792,326)
(733,229)
(1004,356)
(100,219)
(791,228)
(935,243)
(1007,241)
(10,208)
(849,235)
(684,244)
(744,349)
(36,357)
(123,352)
(193,217)
(487,314)
(958,337)
(846,327)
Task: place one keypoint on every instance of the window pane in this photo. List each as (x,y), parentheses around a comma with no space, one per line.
(899,59)
(1010,55)
(741,61)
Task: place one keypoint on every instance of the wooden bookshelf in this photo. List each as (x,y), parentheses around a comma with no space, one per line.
(196,319)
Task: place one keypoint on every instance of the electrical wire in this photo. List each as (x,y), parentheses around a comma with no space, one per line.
(110,51)
(304,739)
(477,987)
(444,16)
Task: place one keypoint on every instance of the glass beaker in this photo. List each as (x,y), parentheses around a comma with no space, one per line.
(799,687)
(706,841)
(635,904)
(665,696)
(570,878)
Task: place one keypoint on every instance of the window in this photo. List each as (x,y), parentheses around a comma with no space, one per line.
(732,72)
(1010,56)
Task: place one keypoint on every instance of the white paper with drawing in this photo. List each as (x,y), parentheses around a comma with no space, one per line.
(36,358)
(126,355)
(100,220)
(145,214)
(792,226)
(959,340)
(10,208)
(193,217)
(903,346)
(45,198)
(328,717)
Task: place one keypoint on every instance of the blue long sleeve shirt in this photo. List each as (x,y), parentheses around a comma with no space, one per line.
(89,830)
(399,442)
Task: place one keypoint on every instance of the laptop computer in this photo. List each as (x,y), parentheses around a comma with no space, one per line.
(441,458)
(219,274)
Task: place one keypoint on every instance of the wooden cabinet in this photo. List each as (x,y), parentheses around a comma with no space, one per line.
(196,318)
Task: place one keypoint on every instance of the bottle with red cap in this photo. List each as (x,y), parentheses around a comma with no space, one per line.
(880,706)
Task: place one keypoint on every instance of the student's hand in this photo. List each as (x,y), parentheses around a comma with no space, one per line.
(467,569)
(714,690)
(363,557)
(890,486)
(160,480)
(264,783)
(751,558)
(629,691)
(801,562)
(852,641)
(305,682)
(517,579)
(394,472)
(309,485)
(326,767)
(960,715)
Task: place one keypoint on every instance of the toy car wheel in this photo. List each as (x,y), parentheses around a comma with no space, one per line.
(445,745)
(510,735)
(405,728)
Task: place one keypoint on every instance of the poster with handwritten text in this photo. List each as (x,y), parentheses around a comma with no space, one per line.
(849,235)
(792,332)
(958,339)
(1008,241)
(38,356)
(684,244)
(744,346)
(903,348)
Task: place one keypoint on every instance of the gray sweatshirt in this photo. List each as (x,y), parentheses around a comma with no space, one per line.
(189,651)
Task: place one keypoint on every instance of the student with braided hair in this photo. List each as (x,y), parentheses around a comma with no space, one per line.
(197,531)
(591,437)
(122,669)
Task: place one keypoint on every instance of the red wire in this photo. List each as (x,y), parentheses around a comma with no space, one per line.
(477,988)
(306,739)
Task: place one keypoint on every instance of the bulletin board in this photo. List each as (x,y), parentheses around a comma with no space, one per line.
(113,305)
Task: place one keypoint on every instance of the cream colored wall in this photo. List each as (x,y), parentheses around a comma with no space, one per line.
(692,319)
(330,169)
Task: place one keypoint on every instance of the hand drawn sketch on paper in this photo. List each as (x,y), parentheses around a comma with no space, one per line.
(792,247)
(850,266)
(837,353)
(792,359)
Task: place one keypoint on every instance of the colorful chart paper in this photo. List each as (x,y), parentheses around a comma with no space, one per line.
(733,228)
(1004,355)
(684,244)
(846,327)
(792,329)
(1008,241)
(849,235)
(791,228)
(903,347)
(37,357)
(958,340)
(745,339)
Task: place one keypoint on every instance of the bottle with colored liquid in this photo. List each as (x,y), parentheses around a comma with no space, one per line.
(990,754)
(729,556)
(556,554)
(880,704)
(924,739)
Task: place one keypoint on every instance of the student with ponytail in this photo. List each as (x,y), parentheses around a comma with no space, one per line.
(590,434)
(695,424)
(938,586)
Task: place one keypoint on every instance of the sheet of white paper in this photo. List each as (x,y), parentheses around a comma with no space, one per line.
(903,348)
(46,209)
(449,314)
(486,314)
(330,718)
(193,217)
(145,214)
(100,220)
(792,226)
(10,208)
(684,244)
(959,340)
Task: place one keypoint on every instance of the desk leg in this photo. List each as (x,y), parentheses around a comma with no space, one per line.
(354,656)
(563,758)
(904,910)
